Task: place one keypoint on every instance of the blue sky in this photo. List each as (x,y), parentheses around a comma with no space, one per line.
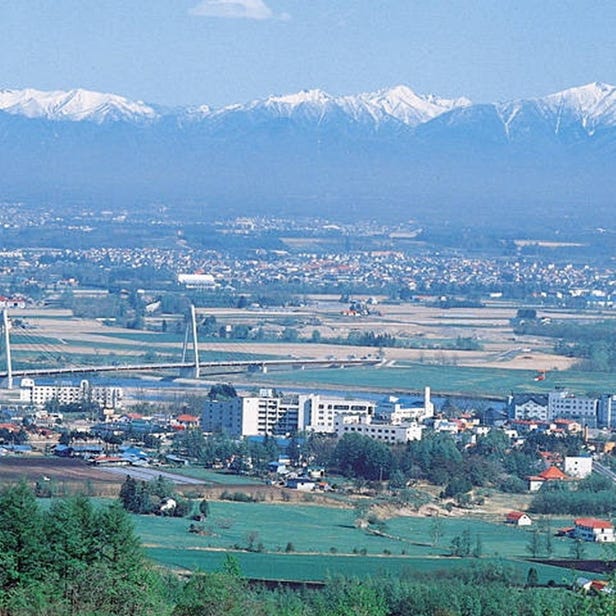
(178,52)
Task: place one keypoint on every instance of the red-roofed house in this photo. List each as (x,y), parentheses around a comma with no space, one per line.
(188,421)
(9,427)
(549,474)
(592,529)
(519,518)
(553,474)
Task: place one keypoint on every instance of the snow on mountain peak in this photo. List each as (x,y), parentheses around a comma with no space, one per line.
(399,104)
(314,96)
(410,108)
(591,104)
(73,105)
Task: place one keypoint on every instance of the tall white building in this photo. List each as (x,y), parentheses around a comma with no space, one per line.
(607,411)
(38,395)
(578,466)
(529,407)
(276,414)
(323,412)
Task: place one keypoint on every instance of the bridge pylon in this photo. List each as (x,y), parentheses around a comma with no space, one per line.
(6,326)
(191,332)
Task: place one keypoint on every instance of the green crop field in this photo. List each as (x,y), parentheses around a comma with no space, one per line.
(325,541)
(316,568)
(446,379)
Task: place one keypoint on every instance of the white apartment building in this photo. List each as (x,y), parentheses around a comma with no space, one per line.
(322,412)
(274,414)
(578,466)
(38,395)
(565,405)
(387,433)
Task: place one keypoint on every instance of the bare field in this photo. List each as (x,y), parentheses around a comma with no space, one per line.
(71,474)
(424,325)
(419,325)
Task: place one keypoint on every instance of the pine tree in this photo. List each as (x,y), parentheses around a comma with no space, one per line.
(21,537)
(128,494)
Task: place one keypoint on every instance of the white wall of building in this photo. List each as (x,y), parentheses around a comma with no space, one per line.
(562,404)
(578,466)
(387,433)
(278,415)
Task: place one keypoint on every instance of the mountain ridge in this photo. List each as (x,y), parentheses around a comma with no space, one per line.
(592,104)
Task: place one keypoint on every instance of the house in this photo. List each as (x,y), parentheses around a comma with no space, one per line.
(315,472)
(553,473)
(303,484)
(186,422)
(278,467)
(519,518)
(528,407)
(593,529)
(176,460)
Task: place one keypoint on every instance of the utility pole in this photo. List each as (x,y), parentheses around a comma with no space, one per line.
(7,343)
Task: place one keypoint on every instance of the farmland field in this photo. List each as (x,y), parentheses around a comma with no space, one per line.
(325,541)
(208,475)
(68,475)
(312,567)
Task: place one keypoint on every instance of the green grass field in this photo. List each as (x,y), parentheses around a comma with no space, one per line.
(446,379)
(325,541)
(318,568)
(211,476)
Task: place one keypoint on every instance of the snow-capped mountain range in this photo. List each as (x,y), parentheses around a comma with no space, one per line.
(590,106)
(399,103)
(400,150)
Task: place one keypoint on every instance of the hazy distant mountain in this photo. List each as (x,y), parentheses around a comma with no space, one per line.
(391,153)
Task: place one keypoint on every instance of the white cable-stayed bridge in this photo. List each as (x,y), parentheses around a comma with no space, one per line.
(190,360)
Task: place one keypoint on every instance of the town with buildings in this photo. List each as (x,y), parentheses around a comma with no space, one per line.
(98,268)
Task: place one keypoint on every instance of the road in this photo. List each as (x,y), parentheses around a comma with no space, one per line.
(603,470)
(147,474)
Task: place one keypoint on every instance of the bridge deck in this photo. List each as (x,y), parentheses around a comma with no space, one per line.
(179,365)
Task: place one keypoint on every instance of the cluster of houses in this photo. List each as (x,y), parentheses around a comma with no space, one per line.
(584,529)
(573,469)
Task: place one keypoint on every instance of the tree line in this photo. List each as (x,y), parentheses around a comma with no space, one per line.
(457,465)
(594,343)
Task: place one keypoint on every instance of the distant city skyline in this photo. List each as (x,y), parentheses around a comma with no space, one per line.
(218,52)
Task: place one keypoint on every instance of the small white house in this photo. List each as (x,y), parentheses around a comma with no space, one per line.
(303,484)
(519,518)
